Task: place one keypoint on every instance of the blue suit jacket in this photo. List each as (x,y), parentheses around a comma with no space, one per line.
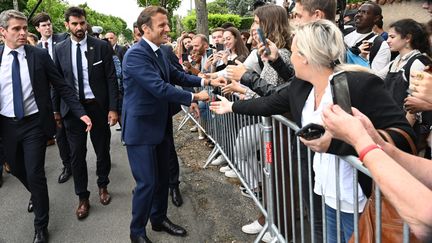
(148,91)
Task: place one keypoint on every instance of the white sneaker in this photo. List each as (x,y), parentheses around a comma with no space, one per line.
(225,168)
(194,129)
(252,228)
(231,174)
(267,238)
(200,137)
(220,160)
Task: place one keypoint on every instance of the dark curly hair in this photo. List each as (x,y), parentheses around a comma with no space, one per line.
(415,30)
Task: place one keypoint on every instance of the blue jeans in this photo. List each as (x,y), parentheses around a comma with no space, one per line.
(347,225)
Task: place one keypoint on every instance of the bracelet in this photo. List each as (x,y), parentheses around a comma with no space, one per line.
(366,150)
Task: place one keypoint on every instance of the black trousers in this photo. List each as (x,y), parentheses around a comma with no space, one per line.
(100,136)
(25,147)
(63,146)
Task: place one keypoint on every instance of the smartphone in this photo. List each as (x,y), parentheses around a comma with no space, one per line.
(340,92)
(220,47)
(311,131)
(263,40)
(370,43)
(209,52)
(185,57)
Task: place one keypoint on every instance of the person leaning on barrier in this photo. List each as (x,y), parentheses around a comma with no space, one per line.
(316,64)
(402,177)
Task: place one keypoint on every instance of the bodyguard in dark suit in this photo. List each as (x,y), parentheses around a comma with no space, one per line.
(43,25)
(119,50)
(147,123)
(174,170)
(87,65)
(26,119)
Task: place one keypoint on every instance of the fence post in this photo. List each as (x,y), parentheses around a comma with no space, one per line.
(267,131)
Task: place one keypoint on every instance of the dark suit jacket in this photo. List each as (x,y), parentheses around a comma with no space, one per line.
(43,73)
(56,38)
(101,71)
(368,94)
(120,51)
(148,91)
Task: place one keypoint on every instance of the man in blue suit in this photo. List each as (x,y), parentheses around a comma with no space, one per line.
(147,125)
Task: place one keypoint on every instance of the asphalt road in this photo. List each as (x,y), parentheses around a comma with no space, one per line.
(209,215)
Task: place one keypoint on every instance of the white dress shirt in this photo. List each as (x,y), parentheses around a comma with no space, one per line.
(324,165)
(6,90)
(88,93)
(50,45)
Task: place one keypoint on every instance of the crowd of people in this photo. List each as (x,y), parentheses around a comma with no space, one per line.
(91,84)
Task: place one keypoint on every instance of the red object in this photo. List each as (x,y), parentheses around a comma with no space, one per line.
(366,150)
(269,152)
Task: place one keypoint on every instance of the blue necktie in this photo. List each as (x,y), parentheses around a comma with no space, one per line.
(16,87)
(80,73)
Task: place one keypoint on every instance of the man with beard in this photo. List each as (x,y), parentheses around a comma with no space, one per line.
(87,65)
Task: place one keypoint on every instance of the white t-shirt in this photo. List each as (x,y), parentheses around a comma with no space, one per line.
(383,56)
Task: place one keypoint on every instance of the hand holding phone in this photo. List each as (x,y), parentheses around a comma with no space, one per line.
(263,40)
(340,92)
(368,45)
(311,131)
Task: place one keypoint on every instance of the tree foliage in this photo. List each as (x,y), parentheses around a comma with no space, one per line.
(240,7)
(56,9)
(5,5)
(169,5)
(214,20)
(218,7)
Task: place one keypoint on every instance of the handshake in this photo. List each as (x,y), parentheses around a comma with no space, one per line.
(203,95)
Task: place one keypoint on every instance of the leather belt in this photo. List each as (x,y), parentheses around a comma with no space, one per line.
(22,119)
(88,101)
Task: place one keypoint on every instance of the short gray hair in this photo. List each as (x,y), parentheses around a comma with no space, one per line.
(6,15)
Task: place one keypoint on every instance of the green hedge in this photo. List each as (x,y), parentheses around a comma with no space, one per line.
(216,20)
(246,23)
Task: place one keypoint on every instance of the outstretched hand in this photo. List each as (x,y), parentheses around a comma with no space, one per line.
(221,107)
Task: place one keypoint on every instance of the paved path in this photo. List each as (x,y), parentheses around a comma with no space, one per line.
(110,223)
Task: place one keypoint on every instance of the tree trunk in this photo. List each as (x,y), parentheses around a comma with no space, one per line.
(15,5)
(202,17)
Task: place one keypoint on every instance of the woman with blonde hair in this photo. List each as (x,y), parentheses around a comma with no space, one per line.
(309,93)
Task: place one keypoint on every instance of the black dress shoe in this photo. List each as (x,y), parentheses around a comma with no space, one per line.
(176,197)
(65,175)
(30,206)
(41,236)
(140,239)
(170,228)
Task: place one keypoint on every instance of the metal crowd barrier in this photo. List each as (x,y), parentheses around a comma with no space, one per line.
(276,171)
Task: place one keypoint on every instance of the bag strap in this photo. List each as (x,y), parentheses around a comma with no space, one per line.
(375,48)
(419,56)
(348,30)
(366,38)
(406,136)
(384,134)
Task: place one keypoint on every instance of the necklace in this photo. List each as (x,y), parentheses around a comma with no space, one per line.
(318,96)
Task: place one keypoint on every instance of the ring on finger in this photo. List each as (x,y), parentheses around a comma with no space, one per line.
(419,76)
